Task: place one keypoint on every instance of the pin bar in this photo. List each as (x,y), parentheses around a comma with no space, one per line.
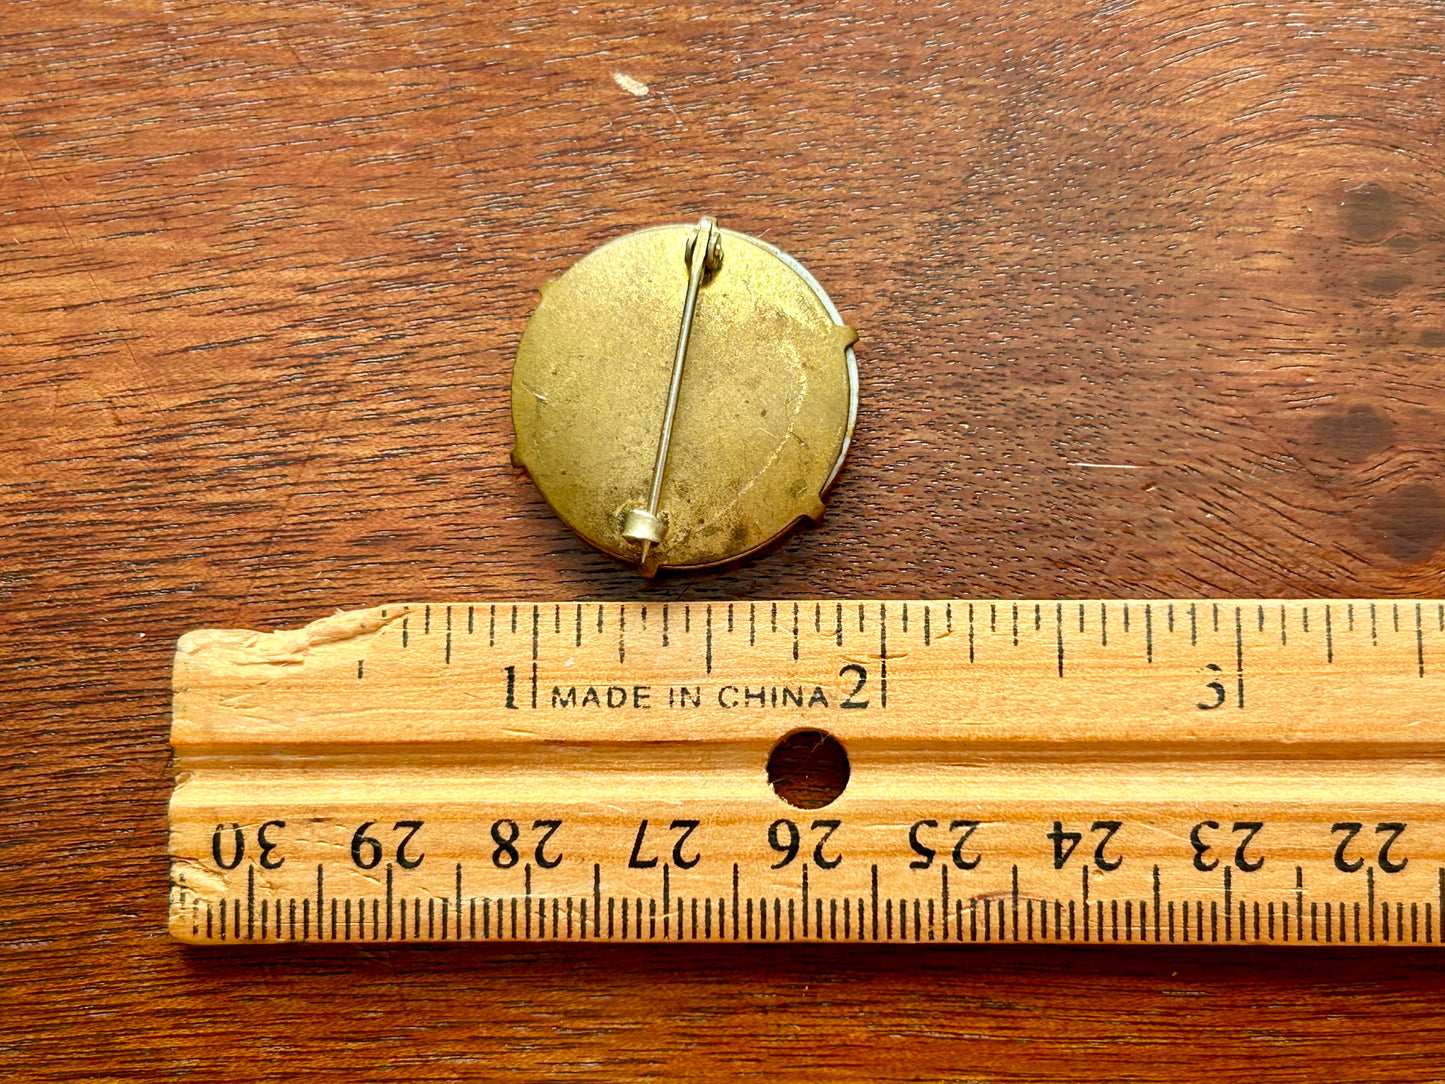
(703,257)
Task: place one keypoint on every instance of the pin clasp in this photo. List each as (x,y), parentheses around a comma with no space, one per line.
(703,260)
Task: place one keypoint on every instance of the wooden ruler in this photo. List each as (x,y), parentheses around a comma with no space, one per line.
(1116,772)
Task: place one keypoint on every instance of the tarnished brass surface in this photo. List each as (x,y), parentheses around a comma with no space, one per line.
(764,411)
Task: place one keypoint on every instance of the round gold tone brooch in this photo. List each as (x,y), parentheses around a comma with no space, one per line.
(683,395)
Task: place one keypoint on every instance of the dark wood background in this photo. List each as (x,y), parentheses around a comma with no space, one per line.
(1151,302)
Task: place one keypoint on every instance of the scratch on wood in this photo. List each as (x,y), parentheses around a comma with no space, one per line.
(636,87)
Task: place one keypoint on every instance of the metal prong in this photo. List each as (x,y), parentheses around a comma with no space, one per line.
(703,260)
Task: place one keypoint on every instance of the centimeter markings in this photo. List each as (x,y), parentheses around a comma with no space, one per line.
(1240,771)
(1011,918)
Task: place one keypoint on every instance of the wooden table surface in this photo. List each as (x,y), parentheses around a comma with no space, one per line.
(1151,304)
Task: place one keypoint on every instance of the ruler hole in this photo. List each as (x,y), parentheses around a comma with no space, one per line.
(808,769)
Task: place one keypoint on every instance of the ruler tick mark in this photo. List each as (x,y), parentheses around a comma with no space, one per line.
(804,894)
(874,884)
(943,899)
(709,639)
(1059,634)
(1419,641)
(735,906)
(1238,653)
(1015,903)
(1370,896)
(1156,908)
(883,653)
(1228,913)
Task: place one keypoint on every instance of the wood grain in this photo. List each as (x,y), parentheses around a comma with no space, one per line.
(1150,305)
